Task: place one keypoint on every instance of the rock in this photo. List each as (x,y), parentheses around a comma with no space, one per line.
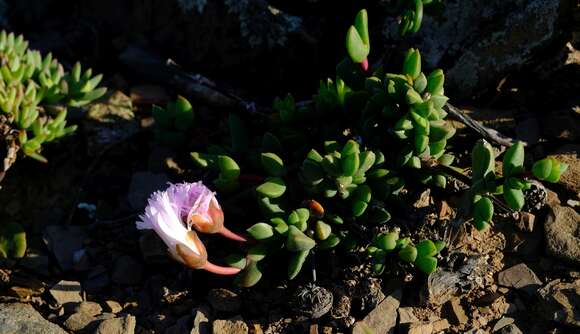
(66,292)
(63,242)
(561,124)
(97,279)
(511,329)
(569,154)
(229,327)
(420,328)
(520,277)
(127,271)
(224,300)
(456,312)
(559,302)
(109,122)
(201,324)
(476,54)
(143,184)
(445,284)
(501,323)
(440,325)
(562,228)
(90,308)
(383,318)
(78,321)
(149,94)
(113,306)
(526,222)
(124,325)
(406,315)
(23,318)
(180,327)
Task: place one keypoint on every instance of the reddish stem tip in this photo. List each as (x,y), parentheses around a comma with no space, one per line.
(231,235)
(365,64)
(219,270)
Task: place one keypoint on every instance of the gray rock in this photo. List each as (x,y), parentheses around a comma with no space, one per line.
(63,242)
(89,308)
(201,321)
(559,302)
(455,311)
(383,318)
(232,326)
(127,271)
(406,315)
(124,325)
(143,184)
(511,329)
(520,277)
(480,41)
(109,122)
(78,321)
(501,323)
(562,229)
(23,318)
(66,292)
(224,300)
(113,306)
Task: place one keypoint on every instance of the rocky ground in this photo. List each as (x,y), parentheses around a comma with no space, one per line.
(88,270)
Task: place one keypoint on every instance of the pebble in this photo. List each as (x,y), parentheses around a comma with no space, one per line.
(520,277)
(224,300)
(383,318)
(201,321)
(78,321)
(561,226)
(66,292)
(113,306)
(456,312)
(232,326)
(124,325)
(501,323)
(23,318)
(90,308)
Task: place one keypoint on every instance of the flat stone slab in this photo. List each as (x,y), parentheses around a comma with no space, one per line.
(23,318)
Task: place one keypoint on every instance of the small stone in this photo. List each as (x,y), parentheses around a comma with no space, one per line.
(23,318)
(313,329)
(501,323)
(420,328)
(66,292)
(78,321)
(383,318)
(440,325)
(559,302)
(89,308)
(124,325)
(561,230)
(113,306)
(256,329)
(511,329)
(456,312)
(520,277)
(526,222)
(224,300)
(201,321)
(406,315)
(229,327)
(127,271)
(63,242)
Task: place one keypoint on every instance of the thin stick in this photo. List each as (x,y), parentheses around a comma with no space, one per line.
(487,133)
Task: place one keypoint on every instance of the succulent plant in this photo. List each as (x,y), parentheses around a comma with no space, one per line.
(317,169)
(173,122)
(29,87)
(12,241)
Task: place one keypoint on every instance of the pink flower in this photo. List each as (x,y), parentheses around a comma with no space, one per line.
(165,213)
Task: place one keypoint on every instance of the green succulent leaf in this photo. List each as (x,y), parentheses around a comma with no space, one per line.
(228,167)
(261,231)
(296,262)
(330,242)
(250,276)
(387,241)
(412,64)
(273,164)
(427,264)
(12,240)
(298,241)
(236,261)
(426,248)
(408,254)
(274,187)
(483,160)
(514,198)
(483,209)
(542,169)
(513,160)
